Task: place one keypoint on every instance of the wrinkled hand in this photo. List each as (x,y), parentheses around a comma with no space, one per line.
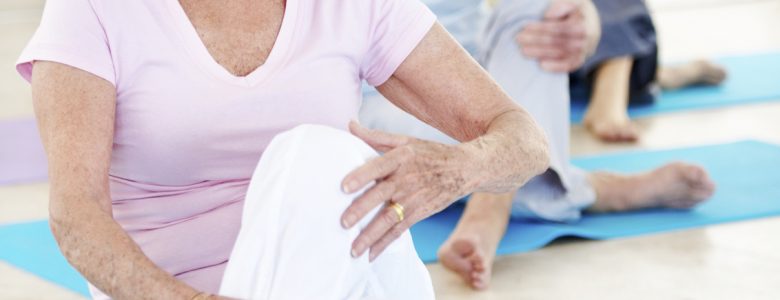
(561,40)
(424,177)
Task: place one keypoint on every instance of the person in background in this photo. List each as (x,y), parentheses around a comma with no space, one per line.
(624,70)
(529,47)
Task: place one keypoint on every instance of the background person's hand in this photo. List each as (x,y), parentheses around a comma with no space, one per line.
(424,177)
(568,33)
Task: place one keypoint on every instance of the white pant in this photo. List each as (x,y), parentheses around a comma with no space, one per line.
(291,244)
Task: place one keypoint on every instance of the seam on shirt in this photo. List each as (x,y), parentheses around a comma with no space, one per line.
(99,19)
(419,28)
(61,54)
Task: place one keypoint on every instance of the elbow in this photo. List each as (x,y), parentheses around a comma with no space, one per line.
(540,153)
(60,228)
(58,220)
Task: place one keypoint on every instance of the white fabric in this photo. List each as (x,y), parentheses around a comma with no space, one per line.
(291,244)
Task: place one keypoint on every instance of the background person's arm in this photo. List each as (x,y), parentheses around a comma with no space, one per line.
(75,112)
(442,85)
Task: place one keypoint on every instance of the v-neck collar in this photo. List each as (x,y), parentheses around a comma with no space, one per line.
(198,51)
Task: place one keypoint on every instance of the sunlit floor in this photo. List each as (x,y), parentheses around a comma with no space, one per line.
(732,261)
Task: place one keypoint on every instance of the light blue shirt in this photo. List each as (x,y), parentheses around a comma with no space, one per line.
(462,18)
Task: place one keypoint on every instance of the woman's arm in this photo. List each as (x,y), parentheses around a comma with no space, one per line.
(442,85)
(75,112)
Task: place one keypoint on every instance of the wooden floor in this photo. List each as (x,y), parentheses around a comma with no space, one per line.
(732,261)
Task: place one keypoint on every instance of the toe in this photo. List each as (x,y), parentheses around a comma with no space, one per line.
(624,132)
(452,258)
(606,133)
(629,133)
(477,259)
(478,284)
(479,280)
(696,176)
(455,263)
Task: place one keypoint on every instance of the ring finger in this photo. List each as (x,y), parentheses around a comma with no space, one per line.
(384,220)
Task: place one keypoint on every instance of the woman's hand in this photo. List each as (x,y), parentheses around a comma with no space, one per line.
(501,145)
(568,33)
(423,177)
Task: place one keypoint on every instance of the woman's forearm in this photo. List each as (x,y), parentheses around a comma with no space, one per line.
(512,151)
(76,116)
(103,253)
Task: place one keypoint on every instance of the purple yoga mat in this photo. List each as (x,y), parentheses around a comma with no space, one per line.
(22,159)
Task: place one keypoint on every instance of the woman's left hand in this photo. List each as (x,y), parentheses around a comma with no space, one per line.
(501,147)
(423,177)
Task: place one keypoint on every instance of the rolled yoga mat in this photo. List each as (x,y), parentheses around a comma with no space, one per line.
(751,79)
(747,174)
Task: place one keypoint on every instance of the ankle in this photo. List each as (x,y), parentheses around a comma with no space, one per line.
(613,192)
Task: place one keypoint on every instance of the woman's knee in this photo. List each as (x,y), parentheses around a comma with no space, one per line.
(321,143)
(304,166)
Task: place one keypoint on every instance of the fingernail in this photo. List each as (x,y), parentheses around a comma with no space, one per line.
(347,221)
(356,250)
(355,123)
(348,187)
(371,257)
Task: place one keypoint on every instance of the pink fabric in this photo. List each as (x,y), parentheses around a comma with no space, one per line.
(188,133)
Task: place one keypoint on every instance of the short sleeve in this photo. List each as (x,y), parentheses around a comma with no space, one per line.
(397,27)
(70,33)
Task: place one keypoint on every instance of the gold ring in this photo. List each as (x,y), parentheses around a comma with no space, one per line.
(398,208)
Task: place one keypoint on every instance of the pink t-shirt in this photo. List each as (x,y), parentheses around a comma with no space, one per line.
(188,133)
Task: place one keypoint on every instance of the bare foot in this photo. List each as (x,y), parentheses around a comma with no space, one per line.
(607,114)
(471,248)
(609,125)
(676,185)
(695,72)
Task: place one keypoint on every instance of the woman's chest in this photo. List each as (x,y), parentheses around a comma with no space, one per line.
(183,118)
(194,129)
(239,35)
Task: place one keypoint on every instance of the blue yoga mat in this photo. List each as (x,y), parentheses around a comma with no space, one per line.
(752,78)
(747,174)
(31,247)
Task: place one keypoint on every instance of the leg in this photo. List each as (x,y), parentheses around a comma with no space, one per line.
(607,112)
(563,190)
(560,193)
(470,250)
(691,73)
(676,185)
(291,244)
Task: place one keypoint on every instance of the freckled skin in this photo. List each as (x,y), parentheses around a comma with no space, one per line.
(439,83)
(502,147)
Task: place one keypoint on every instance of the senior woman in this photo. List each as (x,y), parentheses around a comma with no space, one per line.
(154,114)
